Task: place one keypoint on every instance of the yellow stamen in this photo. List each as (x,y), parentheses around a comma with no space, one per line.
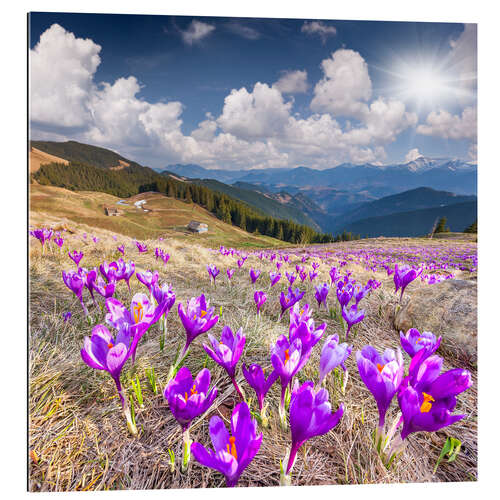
(138,312)
(287,355)
(186,396)
(110,345)
(380,367)
(203,313)
(233,452)
(193,390)
(418,340)
(427,404)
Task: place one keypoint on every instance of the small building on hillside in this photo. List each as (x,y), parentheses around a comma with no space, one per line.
(111,211)
(197,227)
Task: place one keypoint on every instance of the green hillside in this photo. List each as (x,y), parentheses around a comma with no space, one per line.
(133,179)
(83,153)
(415,223)
(260,202)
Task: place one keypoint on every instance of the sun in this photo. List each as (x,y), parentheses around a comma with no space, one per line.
(424,84)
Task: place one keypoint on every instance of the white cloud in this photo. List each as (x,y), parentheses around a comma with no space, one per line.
(345,87)
(243,31)
(261,113)
(443,124)
(196,31)
(206,129)
(318,28)
(412,155)
(383,121)
(62,68)
(292,82)
(255,129)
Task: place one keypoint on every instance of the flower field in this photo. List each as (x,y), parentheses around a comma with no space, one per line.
(163,364)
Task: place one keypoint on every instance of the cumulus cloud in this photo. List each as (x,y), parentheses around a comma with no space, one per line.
(196,31)
(319,28)
(412,155)
(292,82)
(62,69)
(255,129)
(443,124)
(261,113)
(345,87)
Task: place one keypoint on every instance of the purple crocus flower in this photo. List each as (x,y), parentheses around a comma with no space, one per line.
(103,352)
(310,415)
(290,277)
(274,277)
(197,318)
(290,299)
(254,274)
(360,292)
(345,291)
(141,247)
(164,294)
(75,256)
(127,270)
(229,273)
(165,257)
(121,249)
(321,294)
(312,275)
(109,271)
(213,272)
(257,380)
(382,374)
(188,398)
(333,354)
(278,265)
(286,358)
(315,265)
(59,242)
(302,327)
(148,278)
(232,452)
(67,316)
(105,289)
(74,281)
(240,262)
(42,235)
(259,297)
(139,318)
(352,316)
(89,278)
(428,398)
(414,341)
(227,352)
(403,276)
(334,275)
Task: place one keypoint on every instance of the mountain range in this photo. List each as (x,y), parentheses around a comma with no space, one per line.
(370,200)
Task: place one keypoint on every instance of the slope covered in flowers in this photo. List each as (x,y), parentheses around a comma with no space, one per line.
(309,339)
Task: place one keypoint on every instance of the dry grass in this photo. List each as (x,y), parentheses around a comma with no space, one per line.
(76,428)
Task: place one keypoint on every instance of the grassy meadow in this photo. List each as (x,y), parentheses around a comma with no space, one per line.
(77,436)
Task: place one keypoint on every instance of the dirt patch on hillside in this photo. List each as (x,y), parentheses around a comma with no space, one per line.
(38,158)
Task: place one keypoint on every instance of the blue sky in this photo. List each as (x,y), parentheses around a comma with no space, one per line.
(254,93)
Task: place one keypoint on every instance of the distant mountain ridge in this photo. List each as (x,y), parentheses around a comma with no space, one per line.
(442,174)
